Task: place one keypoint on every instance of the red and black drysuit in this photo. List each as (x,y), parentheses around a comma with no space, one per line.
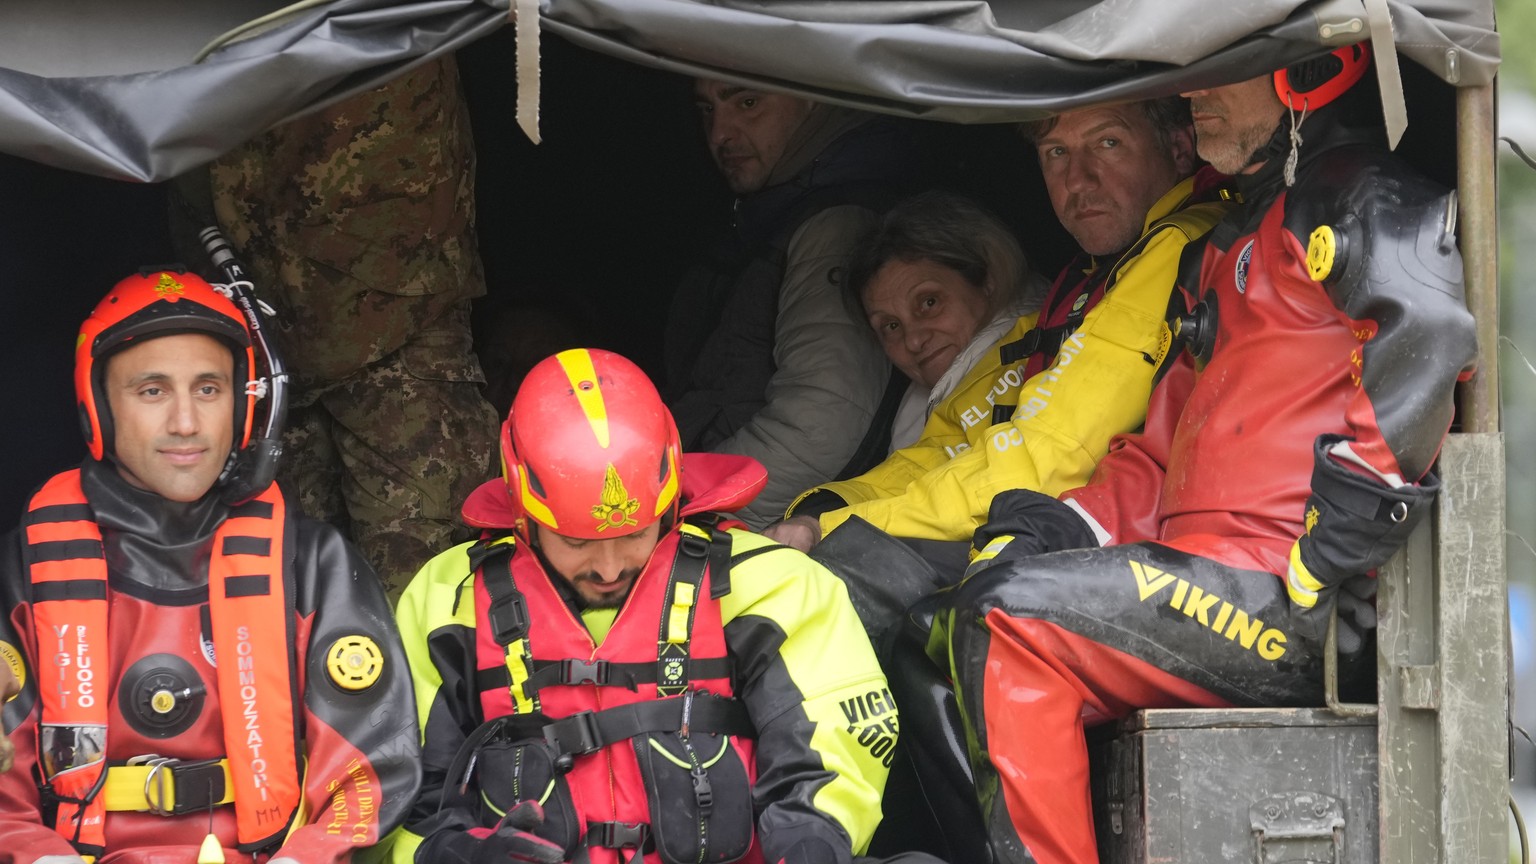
(352,753)
(1314,411)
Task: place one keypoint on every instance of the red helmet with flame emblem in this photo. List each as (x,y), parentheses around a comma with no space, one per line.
(144,306)
(588,451)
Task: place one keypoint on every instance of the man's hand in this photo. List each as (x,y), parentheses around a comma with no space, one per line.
(9,687)
(1353,524)
(513,839)
(801,532)
(1035,522)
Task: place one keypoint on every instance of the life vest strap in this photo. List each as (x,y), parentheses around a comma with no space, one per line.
(168,787)
(719,550)
(1041,340)
(603,673)
(589,731)
(619,835)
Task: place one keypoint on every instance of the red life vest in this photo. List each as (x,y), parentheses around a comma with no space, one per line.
(656,691)
(251,623)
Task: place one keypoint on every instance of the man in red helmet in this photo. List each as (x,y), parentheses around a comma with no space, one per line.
(1285,457)
(204,673)
(665,685)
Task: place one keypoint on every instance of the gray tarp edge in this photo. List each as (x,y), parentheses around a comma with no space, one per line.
(956,60)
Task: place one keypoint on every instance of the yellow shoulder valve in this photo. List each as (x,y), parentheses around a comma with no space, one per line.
(1322,249)
(355,662)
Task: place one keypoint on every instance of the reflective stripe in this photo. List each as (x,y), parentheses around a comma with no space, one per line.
(1299,581)
(677,618)
(996,545)
(517,671)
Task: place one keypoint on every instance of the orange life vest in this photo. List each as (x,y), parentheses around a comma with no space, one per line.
(251,622)
(650,707)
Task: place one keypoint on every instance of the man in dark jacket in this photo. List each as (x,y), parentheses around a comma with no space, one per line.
(766,355)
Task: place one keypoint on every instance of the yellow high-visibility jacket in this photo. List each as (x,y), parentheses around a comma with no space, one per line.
(941,487)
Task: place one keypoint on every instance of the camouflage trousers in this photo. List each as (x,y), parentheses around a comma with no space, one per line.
(388,457)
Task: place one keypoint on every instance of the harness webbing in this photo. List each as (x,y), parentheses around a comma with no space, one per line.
(702,544)
(252,624)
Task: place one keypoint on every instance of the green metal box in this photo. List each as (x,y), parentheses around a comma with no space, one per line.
(1237,785)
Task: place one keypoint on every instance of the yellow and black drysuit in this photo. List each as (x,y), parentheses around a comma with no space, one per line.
(192,669)
(1013,424)
(731,709)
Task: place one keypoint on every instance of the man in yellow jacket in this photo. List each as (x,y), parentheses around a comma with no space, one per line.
(1062,383)
(617,672)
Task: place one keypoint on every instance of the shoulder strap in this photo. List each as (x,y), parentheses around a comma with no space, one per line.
(876,444)
(676,627)
(68,570)
(719,550)
(251,607)
(508,617)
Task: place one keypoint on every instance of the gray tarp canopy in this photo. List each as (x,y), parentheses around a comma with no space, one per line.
(111,88)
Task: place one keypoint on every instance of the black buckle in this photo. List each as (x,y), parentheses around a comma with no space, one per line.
(693,545)
(199,786)
(584,672)
(576,735)
(618,835)
(1020,348)
(509,618)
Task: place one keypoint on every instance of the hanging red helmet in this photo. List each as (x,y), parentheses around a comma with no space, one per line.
(144,306)
(588,451)
(1311,84)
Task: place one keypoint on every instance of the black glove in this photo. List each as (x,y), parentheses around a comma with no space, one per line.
(1354,523)
(452,840)
(1036,524)
(513,839)
(1357,613)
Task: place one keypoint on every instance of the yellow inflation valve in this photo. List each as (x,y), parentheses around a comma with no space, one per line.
(1321,248)
(355,662)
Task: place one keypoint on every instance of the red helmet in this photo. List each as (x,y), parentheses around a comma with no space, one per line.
(588,450)
(144,306)
(1311,84)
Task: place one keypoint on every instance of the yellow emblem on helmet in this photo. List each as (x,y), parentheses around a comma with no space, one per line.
(355,662)
(12,658)
(167,285)
(1321,247)
(617,509)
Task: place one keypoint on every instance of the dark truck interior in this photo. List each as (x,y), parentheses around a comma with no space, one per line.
(582,236)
